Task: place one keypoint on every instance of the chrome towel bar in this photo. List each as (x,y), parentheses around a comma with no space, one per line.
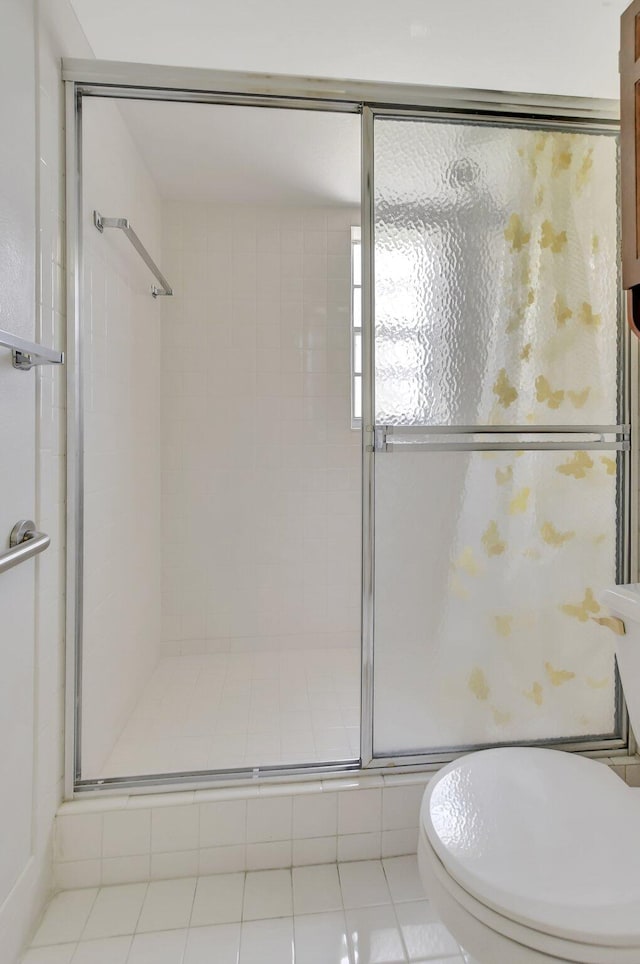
(123,225)
(26,354)
(25,542)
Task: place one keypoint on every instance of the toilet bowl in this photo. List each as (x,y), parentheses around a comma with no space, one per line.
(533,855)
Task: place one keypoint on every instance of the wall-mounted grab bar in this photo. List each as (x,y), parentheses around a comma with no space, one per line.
(26,354)
(25,542)
(123,224)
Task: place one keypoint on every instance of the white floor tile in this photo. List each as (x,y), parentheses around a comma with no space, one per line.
(116,911)
(108,950)
(161,947)
(59,954)
(316,889)
(321,939)
(218,899)
(219,944)
(403,878)
(219,712)
(167,904)
(424,933)
(374,936)
(370,931)
(363,884)
(444,960)
(267,942)
(65,917)
(267,893)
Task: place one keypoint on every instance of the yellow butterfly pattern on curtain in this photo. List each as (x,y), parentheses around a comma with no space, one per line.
(556,365)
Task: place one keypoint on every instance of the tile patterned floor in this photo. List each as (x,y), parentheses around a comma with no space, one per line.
(365,912)
(243,709)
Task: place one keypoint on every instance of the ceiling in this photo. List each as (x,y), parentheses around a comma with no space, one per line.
(247,155)
(546,46)
(263,156)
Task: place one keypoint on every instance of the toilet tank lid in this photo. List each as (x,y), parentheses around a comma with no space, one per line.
(545,838)
(623,601)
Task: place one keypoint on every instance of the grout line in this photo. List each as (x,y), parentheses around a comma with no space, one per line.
(244,888)
(400,931)
(93,904)
(128,949)
(142,903)
(193,900)
(342,910)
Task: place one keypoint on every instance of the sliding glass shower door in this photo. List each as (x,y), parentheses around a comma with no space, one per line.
(214,425)
(493,430)
(499,443)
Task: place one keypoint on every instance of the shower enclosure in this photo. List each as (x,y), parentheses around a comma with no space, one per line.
(345,489)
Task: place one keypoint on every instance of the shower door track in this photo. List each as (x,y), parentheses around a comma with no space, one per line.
(94,78)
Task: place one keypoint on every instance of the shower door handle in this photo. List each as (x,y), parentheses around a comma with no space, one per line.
(25,542)
(497,438)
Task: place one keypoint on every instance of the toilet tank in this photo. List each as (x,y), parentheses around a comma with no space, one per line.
(624,602)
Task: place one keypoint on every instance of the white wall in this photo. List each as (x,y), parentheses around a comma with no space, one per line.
(260,465)
(121,334)
(49,30)
(17,438)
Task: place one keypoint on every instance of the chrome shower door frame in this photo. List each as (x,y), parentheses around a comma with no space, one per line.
(92,78)
(628,398)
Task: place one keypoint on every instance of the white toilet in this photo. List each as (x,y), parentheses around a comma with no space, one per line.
(533,855)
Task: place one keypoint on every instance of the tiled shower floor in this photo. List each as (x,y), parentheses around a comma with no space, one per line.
(243,709)
(365,912)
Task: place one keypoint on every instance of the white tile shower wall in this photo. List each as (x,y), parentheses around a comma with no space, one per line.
(125,839)
(136,838)
(57,34)
(121,359)
(260,465)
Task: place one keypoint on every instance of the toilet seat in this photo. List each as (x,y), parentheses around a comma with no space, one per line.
(523,832)
(494,939)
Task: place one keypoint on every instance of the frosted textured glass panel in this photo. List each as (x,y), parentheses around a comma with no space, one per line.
(487,622)
(495,275)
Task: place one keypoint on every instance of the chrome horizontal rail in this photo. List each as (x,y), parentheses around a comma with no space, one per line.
(27,354)
(438,438)
(123,225)
(515,446)
(504,429)
(25,542)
